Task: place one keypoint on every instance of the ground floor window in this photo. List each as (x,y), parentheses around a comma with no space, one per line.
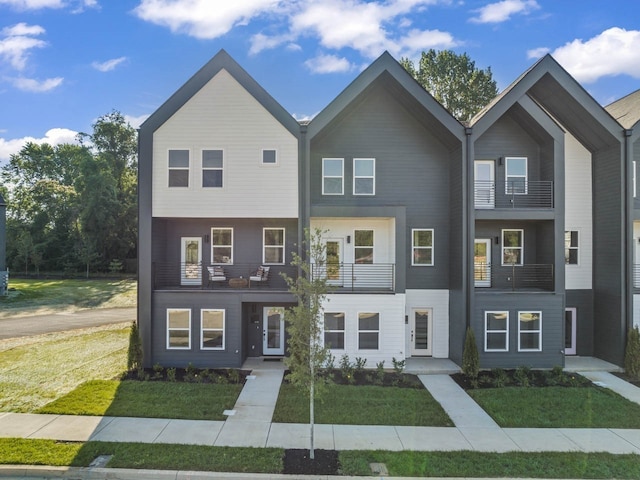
(212,329)
(496,331)
(334,331)
(368,331)
(179,328)
(529,331)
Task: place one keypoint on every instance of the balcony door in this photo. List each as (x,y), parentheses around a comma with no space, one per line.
(334,253)
(421,332)
(482,262)
(484,187)
(191,261)
(273,331)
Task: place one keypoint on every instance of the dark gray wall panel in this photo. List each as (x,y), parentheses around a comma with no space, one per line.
(582,301)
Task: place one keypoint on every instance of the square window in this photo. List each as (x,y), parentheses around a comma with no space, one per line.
(222,245)
(179,328)
(363,246)
(529,331)
(368,331)
(512,247)
(269,157)
(571,247)
(212,168)
(496,331)
(364,176)
(334,331)
(516,175)
(212,331)
(332,176)
(273,246)
(178,168)
(422,246)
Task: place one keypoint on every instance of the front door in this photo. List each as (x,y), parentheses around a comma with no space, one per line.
(421,325)
(570,331)
(484,187)
(482,262)
(273,331)
(190,264)
(334,249)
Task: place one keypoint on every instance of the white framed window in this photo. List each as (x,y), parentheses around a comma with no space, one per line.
(333,176)
(334,330)
(212,168)
(530,331)
(633,180)
(269,157)
(363,246)
(512,247)
(368,331)
(364,176)
(496,331)
(422,247)
(221,246)
(212,329)
(571,247)
(178,168)
(516,175)
(178,328)
(273,246)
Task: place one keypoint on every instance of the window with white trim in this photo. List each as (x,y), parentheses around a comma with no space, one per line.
(269,157)
(221,245)
(363,246)
(332,176)
(178,168)
(364,176)
(422,246)
(212,168)
(516,175)
(496,331)
(334,330)
(178,328)
(212,329)
(273,246)
(512,247)
(571,247)
(368,331)
(530,331)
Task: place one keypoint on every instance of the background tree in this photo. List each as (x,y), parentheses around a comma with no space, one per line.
(454,81)
(307,353)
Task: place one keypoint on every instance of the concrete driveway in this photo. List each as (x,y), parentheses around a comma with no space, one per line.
(25,326)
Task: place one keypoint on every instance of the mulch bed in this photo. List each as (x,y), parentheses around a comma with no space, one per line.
(498,378)
(189,374)
(297,461)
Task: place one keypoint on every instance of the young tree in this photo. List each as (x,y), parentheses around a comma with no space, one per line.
(454,81)
(307,354)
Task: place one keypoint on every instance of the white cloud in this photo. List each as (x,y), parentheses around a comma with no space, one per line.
(18,41)
(502,11)
(613,52)
(135,122)
(33,4)
(36,86)
(109,64)
(55,136)
(537,53)
(328,64)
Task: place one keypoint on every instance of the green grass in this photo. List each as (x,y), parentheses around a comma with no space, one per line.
(362,405)
(558,407)
(36,370)
(147,399)
(37,294)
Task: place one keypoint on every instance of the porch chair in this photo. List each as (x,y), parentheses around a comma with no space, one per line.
(216,274)
(261,275)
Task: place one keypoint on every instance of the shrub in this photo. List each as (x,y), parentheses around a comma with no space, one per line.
(632,353)
(360,364)
(398,365)
(171,374)
(500,377)
(158,372)
(346,369)
(522,376)
(470,357)
(134,354)
(234,376)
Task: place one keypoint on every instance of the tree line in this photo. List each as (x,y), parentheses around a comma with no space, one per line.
(73,207)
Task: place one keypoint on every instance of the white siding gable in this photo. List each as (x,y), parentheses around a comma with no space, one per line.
(224,116)
(578,212)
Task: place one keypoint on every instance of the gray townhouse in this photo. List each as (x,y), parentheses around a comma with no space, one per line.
(519,223)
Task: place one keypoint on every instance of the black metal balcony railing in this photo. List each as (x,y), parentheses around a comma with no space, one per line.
(357,276)
(514,277)
(513,194)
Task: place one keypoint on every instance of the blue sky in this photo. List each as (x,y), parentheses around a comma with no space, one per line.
(64,63)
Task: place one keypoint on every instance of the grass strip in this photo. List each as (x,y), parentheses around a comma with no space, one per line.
(362,405)
(493,465)
(147,399)
(558,407)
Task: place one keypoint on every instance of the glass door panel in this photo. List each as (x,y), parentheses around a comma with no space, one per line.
(421,325)
(482,262)
(190,266)
(334,261)
(485,186)
(273,331)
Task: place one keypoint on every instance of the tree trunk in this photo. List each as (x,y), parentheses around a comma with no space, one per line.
(312,454)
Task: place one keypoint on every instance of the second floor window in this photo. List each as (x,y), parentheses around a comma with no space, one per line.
(516,175)
(332,176)
(273,244)
(221,245)
(364,176)
(334,330)
(363,246)
(571,247)
(422,246)
(512,247)
(212,168)
(178,168)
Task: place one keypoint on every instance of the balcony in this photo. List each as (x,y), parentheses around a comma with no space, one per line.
(636,277)
(513,194)
(514,277)
(357,277)
(168,276)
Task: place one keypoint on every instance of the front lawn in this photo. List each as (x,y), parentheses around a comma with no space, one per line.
(131,398)
(362,405)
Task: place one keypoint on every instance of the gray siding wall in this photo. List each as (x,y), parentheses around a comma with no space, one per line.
(608,256)
(582,301)
(457,311)
(552,308)
(412,170)
(636,158)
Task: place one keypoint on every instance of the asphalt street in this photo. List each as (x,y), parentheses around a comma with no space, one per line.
(59,322)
